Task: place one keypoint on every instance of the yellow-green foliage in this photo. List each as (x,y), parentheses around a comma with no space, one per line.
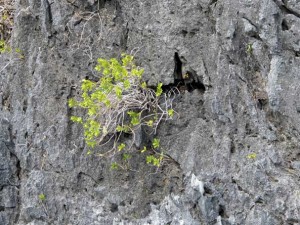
(249,48)
(252,156)
(6,24)
(42,197)
(4,47)
(120,102)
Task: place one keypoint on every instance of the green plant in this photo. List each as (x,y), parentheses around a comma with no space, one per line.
(114,166)
(252,156)
(249,49)
(6,22)
(120,102)
(6,26)
(4,47)
(155,161)
(42,197)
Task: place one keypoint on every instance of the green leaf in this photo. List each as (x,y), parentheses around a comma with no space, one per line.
(87,85)
(126,59)
(135,121)
(72,102)
(144,149)
(119,128)
(156,143)
(89,152)
(103,64)
(42,197)
(252,156)
(118,91)
(92,111)
(159,90)
(4,47)
(18,50)
(156,162)
(121,147)
(170,112)
(91,131)
(91,144)
(144,85)
(107,103)
(137,73)
(132,113)
(99,96)
(150,123)
(140,72)
(135,117)
(126,156)
(150,159)
(114,166)
(5,16)
(76,119)
(124,128)
(127,84)
(249,48)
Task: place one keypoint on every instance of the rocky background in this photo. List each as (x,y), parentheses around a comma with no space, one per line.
(235,147)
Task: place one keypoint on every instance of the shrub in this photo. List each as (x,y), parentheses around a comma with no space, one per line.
(6,26)
(6,19)
(120,102)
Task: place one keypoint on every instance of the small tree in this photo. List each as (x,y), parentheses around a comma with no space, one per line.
(120,102)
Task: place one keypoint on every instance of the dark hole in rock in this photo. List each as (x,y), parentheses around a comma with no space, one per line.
(66,208)
(192,82)
(284,25)
(184,80)
(122,203)
(113,207)
(177,69)
(192,33)
(259,200)
(207,191)
(232,149)
(222,211)
(184,33)
(261,103)
(24,105)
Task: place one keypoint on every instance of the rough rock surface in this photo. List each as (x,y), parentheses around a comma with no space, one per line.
(246,53)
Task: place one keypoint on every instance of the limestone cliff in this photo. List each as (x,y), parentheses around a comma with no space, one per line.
(235,147)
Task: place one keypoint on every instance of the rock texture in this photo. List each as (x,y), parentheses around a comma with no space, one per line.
(246,54)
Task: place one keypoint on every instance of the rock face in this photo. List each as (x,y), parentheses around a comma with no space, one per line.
(235,147)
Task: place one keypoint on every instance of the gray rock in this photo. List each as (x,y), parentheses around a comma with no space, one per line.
(233,149)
